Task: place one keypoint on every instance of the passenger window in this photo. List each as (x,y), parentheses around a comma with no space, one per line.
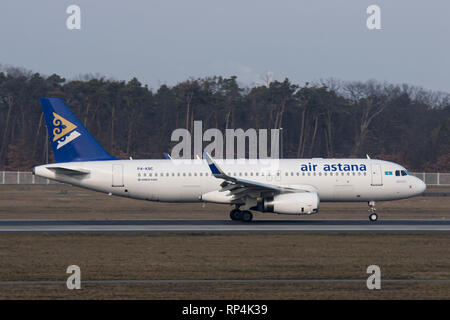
(184,174)
(320,174)
(195,174)
(156,174)
(325,174)
(303,174)
(167,174)
(309,173)
(245,173)
(256,173)
(190,174)
(201,174)
(286,174)
(206,174)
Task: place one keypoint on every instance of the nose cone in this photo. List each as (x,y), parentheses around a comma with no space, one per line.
(421,186)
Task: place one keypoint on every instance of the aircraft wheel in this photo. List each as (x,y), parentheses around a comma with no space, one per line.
(236,214)
(247,216)
(373,217)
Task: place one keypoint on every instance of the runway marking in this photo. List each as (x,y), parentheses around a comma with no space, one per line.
(220,226)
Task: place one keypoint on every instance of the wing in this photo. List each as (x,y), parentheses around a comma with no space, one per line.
(239,188)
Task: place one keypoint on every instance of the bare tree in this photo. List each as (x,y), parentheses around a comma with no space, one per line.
(370,99)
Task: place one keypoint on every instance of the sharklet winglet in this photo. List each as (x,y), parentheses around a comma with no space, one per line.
(215,169)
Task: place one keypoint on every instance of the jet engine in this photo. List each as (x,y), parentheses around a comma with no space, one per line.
(290,203)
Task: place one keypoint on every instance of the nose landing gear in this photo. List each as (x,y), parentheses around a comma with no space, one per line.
(372,211)
(238,215)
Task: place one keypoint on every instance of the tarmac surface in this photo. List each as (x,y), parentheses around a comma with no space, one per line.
(220,226)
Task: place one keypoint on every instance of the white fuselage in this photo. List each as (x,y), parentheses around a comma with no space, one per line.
(337,180)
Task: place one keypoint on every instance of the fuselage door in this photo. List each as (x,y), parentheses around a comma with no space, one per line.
(377,178)
(117,175)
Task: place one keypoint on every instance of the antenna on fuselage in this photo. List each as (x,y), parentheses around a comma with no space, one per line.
(367,156)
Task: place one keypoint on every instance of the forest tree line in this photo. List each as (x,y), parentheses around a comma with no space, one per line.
(333,118)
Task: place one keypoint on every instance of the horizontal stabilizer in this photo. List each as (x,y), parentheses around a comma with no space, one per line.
(68,172)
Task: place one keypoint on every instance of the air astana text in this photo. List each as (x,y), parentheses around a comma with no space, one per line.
(334,167)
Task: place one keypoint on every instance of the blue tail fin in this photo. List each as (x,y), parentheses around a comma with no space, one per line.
(70,139)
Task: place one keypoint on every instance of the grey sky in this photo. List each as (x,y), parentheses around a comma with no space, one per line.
(168,41)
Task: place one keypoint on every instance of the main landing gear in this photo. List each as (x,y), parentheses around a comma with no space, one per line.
(238,215)
(372,210)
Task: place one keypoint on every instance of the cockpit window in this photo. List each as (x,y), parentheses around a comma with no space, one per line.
(402,173)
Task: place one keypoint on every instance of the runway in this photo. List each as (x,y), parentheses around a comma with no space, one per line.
(220,226)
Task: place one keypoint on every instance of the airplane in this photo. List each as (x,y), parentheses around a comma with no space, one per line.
(280,186)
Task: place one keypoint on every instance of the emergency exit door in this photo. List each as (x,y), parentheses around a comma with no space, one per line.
(117,175)
(377,178)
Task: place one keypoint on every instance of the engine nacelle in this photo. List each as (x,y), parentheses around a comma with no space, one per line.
(291,203)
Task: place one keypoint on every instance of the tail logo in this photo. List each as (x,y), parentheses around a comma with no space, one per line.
(63,131)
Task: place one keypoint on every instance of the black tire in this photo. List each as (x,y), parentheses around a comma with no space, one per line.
(236,214)
(373,217)
(247,216)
